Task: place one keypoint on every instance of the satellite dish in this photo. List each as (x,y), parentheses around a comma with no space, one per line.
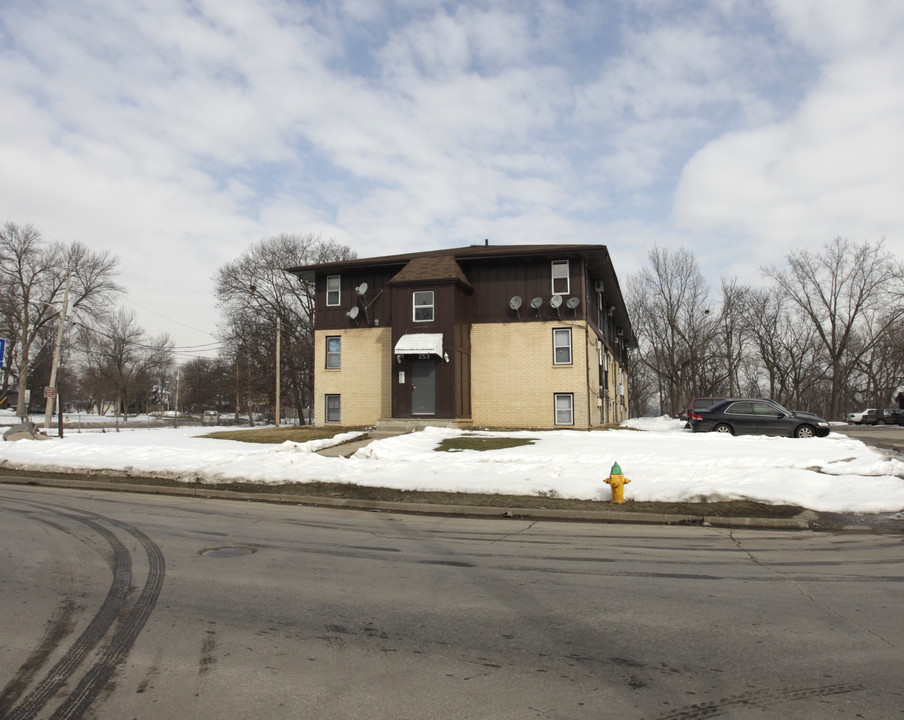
(353,313)
(555,301)
(361,289)
(514,304)
(573,302)
(536,303)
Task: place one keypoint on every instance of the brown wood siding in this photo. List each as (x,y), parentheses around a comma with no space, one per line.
(444,306)
(462,359)
(378,295)
(496,283)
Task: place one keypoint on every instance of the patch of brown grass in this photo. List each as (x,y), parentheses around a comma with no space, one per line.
(275,436)
(471,442)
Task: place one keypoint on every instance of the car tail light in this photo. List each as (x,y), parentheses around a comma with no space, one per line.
(696,416)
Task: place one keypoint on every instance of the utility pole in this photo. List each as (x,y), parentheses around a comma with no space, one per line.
(278,335)
(54,368)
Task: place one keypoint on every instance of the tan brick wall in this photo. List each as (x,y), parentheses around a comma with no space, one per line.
(514,379)
(363,381)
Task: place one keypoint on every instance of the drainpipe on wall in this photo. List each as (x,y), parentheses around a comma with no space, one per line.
(587,369)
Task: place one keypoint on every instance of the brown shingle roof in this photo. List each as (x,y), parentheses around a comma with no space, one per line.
(432,268)
(470,252)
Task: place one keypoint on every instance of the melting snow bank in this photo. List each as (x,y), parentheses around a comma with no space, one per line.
(664,462)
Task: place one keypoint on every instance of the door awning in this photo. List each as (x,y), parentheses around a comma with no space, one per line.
(420,344)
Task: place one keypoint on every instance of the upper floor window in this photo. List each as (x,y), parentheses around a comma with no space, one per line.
(561,341)
(560,278)
(333,296)
(334,352)
(423,306)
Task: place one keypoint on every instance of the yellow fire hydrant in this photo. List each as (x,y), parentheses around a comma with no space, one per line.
(617,481)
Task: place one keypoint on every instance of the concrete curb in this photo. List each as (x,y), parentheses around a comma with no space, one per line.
(602,516)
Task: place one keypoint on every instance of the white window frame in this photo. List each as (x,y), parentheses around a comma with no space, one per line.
(555,269)
(570,409)
(415,307)
(334,355)
(557,344)
(338,408)
(333,294)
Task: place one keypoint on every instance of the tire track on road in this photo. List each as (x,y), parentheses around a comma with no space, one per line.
(129,620)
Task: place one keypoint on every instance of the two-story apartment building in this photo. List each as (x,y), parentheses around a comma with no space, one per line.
(489,335)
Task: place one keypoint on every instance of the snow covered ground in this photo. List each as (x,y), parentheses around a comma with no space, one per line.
(664,462)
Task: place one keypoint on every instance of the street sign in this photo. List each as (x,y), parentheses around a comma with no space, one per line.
(2,352)
(49,392)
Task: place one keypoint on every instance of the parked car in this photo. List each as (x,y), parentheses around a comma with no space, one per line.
(855,418)
(756,416)
(210,417)
(876,416)
(701,403)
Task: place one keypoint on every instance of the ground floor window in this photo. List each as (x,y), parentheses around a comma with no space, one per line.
(564,409)
(333,408)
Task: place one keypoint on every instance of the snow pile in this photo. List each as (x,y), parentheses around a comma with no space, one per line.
(664,462)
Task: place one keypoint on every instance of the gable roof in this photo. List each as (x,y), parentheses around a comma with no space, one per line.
(434,268)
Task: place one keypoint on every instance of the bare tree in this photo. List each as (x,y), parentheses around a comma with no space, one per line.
(733,336)
(879,372)
(642,389)
(208,383)
(121,359)
(669,304)
(32,279)
(851,295)
(253,293)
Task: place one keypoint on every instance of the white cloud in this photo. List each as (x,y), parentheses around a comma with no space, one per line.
(833,30)
(832,168)
(177,133)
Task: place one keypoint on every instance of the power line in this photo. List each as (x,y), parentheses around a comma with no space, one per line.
(168,319)
(182,349)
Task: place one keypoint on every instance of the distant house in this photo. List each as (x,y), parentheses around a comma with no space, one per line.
(498,336)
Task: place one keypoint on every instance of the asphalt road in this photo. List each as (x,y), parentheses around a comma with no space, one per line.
(886,437)
(120,606)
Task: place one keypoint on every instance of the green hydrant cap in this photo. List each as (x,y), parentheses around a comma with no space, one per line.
(616,470)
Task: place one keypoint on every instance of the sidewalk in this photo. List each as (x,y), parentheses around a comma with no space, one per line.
(350,448)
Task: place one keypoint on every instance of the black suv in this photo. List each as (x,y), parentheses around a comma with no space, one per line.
(883,417)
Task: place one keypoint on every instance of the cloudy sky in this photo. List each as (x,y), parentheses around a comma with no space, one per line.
(175,133)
